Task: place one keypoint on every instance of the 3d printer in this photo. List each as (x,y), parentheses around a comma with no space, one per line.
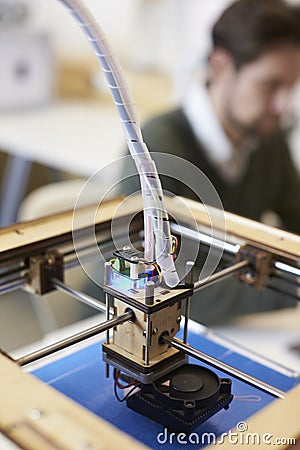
(36,256)
(145,298)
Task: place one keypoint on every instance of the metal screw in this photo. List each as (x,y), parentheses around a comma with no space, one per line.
(189,405)
(35,414)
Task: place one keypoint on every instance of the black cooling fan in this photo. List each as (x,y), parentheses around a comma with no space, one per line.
(183,399)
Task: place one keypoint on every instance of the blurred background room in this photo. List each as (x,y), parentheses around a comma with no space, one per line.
(58,123)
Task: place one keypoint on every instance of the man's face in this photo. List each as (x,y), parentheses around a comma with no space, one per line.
(256,96)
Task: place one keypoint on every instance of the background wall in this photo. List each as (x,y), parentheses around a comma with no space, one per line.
(151,33)
(165,35)
(115,17)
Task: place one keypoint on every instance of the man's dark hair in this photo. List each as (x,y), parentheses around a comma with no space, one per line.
(249,28)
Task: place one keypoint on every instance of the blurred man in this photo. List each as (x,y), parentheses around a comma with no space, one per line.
(229,126)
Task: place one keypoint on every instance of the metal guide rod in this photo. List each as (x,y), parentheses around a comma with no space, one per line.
(81,296)
(189,279)
(205,238)
(219,275)
(179,345)
(64,343)
(12,286)
(227,246)
(186,319)
(107,316)
(287,268)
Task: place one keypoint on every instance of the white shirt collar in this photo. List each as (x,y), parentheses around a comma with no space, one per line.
(199,111)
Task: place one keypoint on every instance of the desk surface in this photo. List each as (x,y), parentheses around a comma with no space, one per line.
(275,335)
(79,135)
(76,136)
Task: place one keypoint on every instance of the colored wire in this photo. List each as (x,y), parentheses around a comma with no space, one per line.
(117,384)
